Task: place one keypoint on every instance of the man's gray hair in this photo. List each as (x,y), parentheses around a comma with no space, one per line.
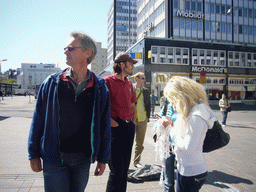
(87,43)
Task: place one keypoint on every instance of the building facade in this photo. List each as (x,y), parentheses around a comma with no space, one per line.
(210,41)
(122,27)
(100,61)
(32,75)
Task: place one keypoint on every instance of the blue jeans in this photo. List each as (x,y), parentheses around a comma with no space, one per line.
(191,184)
(169,173)
(60,177)
(225,115)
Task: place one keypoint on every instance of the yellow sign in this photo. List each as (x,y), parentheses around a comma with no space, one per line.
(138,55)
(202,79)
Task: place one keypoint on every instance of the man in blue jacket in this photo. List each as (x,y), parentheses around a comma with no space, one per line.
(71,125)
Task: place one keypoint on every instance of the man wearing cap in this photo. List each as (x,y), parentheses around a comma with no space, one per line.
(123,116)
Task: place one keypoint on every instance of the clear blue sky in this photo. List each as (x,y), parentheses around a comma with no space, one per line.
(36,31)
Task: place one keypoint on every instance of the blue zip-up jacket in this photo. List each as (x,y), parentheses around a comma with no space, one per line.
(44,139)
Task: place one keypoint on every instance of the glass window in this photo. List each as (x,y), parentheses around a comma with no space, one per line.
(236,55)
(223,9)
(240,12)
(245,12)
(249,56)
(217,9)
(222,54)
(201,53)
(194,52)
(249,30)
(207,8)
(185,51)
(215,54)
(208,62)
(185,61)
(194,27)
(250,11)
(178,51)
(209,53)
(200,25)
(162,50)
(230,55)
(240,29)
(176,4)
(195,61)
(207,26)
(223,27)
(170,60)
(162,60)
(202,62)
(154,50)
(212,6)
(187,5)
(178,60)
(199,6)
(176,23)
(231,63)
(182,23)
(228,27)
(188,24)
(170,51)
(245,30)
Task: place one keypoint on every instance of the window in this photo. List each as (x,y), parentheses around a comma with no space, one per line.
(240,29)
(199,6)
(194,52)
(188,24)
(194,25)
(200,25)
(193,6)
(187,5)
(212,8)
(209,53)
(230,55)
(223,27)
(245,12)
(240,12)
(185,51)
(223,9)
(207,26)
(170,51)
(201,52)
(178,51)
(154,50)
(162,50)
(182,23)
(228,28)
(217,9)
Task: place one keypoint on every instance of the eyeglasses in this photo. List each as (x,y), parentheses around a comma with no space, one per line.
(71,48)
(143,78)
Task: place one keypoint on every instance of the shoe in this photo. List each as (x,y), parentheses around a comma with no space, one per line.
(223,125)
(137,165)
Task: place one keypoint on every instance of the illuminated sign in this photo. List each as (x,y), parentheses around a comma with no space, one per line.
(209,69)
(189,14)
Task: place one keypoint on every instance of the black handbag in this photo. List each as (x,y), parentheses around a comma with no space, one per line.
(215,138)
(229,109)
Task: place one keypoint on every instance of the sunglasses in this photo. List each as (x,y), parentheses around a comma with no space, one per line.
(71,48)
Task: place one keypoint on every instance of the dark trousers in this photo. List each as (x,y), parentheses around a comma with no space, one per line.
(121,147)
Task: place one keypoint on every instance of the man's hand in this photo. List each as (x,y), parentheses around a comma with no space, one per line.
(36,165)
(114,123)
(100,169)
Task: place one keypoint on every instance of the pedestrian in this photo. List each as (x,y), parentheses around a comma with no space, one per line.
(169,162)
(153,103)
(224,105)
(162,99)
(71,125)
(1,94)
(143,108)
(123,116)
(188,132)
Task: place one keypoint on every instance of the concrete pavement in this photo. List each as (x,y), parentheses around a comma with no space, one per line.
(232,168)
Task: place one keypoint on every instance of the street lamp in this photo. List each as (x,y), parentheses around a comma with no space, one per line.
(1,73)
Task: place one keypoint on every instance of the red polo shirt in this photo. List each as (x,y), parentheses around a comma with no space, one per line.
(122,97)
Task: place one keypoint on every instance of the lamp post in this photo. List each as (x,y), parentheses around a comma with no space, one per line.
(1,72)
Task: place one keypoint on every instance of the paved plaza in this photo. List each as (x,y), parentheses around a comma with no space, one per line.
(232,168)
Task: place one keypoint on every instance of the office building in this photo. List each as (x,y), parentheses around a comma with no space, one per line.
(100,61)
(122,27)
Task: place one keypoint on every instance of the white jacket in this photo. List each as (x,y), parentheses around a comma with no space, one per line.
(189,140)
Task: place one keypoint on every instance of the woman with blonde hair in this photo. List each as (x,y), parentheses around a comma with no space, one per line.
(188,132)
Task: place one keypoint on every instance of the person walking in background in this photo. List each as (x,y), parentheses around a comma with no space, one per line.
(153,103)
(168,163)
(71,125)
(143,107)
(123,117)
(224,105)
(188,132)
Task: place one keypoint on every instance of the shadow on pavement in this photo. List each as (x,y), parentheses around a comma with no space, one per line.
(3,118)
(223,180)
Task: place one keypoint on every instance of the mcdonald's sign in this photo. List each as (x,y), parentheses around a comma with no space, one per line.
(136,55)
(160,78)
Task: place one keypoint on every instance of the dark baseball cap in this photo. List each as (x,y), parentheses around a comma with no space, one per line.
(123,57)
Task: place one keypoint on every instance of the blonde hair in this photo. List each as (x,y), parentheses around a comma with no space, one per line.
(184,93)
